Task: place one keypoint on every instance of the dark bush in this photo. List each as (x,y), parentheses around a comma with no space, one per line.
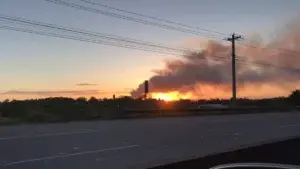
(294,98)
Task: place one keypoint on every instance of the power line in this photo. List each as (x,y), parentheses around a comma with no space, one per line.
(145,22)
(280,50)
(179,24)
(51,34)
(151,17)
(267,65)
(86,33)
(217,58)
(41,26)
(83,39)
(131,45)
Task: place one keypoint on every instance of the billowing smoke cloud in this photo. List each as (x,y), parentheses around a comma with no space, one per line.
(194,72)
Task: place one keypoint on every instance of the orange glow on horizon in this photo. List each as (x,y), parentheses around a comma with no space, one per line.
(170,96)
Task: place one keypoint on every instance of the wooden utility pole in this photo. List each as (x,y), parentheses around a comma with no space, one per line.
(232,40)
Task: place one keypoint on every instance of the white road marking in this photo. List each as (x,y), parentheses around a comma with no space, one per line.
(291,125)
(47,135)
(70,155)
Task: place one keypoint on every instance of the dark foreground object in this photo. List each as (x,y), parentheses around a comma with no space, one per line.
(284,152)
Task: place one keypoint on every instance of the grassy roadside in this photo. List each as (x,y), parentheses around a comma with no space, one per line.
(151,114)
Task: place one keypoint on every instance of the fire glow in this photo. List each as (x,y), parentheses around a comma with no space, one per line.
(170,96)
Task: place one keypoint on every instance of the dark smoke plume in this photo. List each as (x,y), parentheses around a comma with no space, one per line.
(210,67)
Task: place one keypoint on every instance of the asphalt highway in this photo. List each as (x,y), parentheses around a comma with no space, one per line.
(139,143)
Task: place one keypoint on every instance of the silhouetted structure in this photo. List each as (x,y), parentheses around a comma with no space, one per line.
(232,40)
(146,88)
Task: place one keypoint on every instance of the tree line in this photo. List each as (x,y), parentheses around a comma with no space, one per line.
(61,109)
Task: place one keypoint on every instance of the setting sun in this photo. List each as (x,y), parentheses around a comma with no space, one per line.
(169,96)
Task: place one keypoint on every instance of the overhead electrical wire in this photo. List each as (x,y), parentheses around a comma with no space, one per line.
(81,39)
(86,33)
(265,65)
(94,37)
(217,58)
(266,47)
(247,43)
(138,20)
(153,18)
(18,21)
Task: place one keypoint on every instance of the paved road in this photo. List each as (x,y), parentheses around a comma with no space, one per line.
(137,143)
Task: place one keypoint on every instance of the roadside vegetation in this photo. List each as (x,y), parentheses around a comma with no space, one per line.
(60,109)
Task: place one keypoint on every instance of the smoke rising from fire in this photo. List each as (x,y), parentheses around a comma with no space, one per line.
(207,74)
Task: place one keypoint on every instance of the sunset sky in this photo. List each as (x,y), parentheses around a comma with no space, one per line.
(34,66)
